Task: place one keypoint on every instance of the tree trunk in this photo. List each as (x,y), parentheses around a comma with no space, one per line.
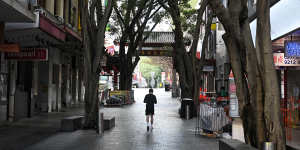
(123,77)
(93,30)
(91,101)
(129,81)
(258,74)
(256,122)
(183,61)
(123,65)
(126,75)
(272,114)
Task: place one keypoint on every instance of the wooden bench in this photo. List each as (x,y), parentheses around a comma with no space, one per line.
(71,123)
(109,122)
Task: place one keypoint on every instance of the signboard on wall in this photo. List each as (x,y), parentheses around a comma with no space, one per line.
(292,48)
(29,54)
(9,48)
(281,60)
(155,52)
(208,68)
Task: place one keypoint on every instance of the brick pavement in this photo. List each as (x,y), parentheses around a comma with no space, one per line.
(169,133)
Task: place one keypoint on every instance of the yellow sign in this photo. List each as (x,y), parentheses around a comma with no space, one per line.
(213,26)
(115,93)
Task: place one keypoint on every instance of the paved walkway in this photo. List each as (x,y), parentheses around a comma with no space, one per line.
(169,133)
(29,131)
(295,139)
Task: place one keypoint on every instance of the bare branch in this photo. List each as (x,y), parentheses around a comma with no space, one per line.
(107,12)
(142,28)
(152,15)
(119,16)
(130,6)
(163,4)
(138,14)
(92,13)
(136,61)
(99,8)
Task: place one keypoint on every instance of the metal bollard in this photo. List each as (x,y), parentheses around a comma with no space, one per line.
(268,146)
(187,115)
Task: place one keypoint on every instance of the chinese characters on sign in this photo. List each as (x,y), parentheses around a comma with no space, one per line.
(292,49)
(281,60)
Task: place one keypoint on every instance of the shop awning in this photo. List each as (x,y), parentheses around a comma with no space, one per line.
(15,11)
(285,18)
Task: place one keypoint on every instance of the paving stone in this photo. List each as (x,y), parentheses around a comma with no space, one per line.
(170,131)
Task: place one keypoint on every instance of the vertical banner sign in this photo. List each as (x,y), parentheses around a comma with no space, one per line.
(234,107)
(163,76)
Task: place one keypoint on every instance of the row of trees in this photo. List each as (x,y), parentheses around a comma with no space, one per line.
(256,82)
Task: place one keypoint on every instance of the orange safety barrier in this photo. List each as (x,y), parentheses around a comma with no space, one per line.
(223,98)
(203,98)
(289,110)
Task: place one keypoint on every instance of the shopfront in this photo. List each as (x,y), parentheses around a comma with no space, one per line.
(287,62)
(285,36)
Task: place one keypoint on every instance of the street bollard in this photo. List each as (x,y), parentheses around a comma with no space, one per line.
(268,146)
(187,116)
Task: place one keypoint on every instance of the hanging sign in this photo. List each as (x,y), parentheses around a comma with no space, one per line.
(281,60)
(29,54)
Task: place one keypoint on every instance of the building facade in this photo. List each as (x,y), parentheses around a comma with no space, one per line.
(44,75)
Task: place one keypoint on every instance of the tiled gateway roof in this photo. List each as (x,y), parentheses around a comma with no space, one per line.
(159,39)
(162,38)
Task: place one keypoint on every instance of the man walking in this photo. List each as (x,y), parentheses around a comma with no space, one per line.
(150,100)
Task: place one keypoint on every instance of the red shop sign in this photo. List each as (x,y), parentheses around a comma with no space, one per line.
(29,54)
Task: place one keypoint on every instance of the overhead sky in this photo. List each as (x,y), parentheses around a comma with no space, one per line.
(284,16)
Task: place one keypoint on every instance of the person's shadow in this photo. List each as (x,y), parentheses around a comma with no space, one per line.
(149,138)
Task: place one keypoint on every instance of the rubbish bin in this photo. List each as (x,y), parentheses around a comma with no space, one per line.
(167,87)
(186,110)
